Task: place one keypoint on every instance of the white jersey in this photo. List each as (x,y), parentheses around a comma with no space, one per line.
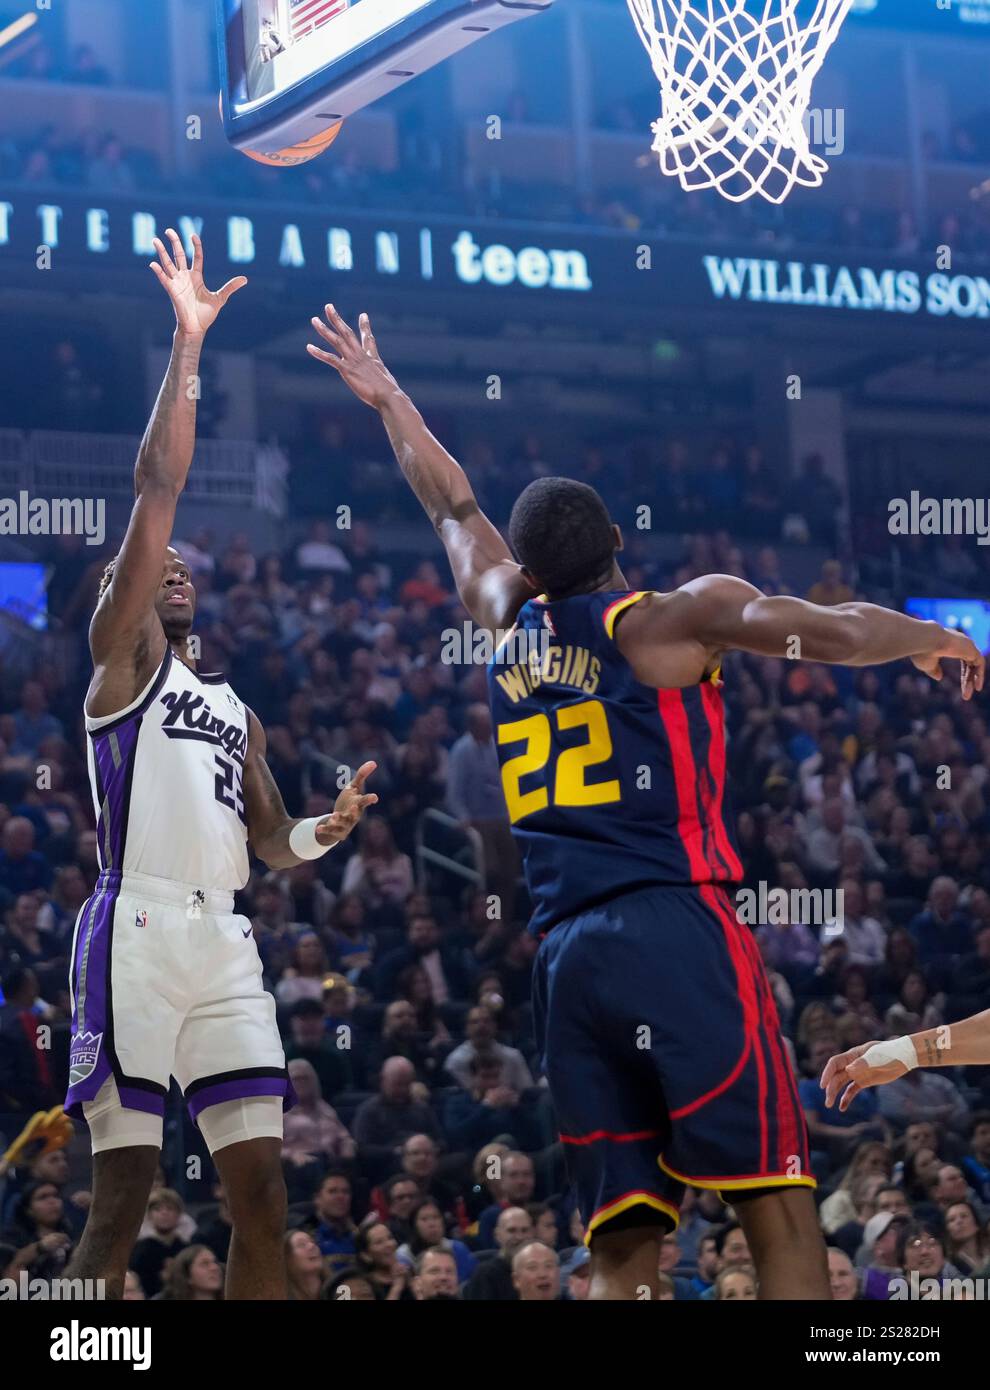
(166,774)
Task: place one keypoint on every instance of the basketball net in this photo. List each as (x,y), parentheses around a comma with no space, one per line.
(735,86)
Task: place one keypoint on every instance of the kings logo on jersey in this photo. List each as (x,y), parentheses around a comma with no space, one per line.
(83,1054)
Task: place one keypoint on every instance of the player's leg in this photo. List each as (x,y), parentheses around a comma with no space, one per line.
(625,1264)
(737,1123)
(610,1112)
(126,1149)
(250,1169)
(231,1067)
(785,1240)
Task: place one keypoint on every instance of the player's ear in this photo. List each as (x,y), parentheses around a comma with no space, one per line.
(530,579)
(619,545)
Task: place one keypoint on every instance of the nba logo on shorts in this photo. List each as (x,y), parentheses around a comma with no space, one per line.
(141,918)
(83,1053)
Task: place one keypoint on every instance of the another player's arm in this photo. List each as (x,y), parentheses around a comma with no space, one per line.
(964,1044)
(674,639)
(270,827)
(489,581)
(126,637)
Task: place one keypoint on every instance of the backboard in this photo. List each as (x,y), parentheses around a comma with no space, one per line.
(291,68)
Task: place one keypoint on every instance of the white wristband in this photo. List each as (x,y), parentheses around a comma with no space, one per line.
(303,841)
(896,1050)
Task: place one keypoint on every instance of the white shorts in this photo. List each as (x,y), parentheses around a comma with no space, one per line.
(166,981)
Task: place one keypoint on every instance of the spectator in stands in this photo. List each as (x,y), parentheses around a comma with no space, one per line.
(492,1280)
(331,1224)
(26,1080)
(304,978)
(38,1233)
(474,796)
(968,1243)
(480,1039)
(388,1276)
(477,1114)
(385,1121)
(976,1164)
(216,1229)
(378,872)
(914,1011)
(831,588)
(152,1253)
(923,1095)
(304,1262)
(882,1259)
(313,1134)
(942,931)
(736,1284)
(921,1250)
(446,967)
(864,935)
(426,1232)
(23,869)
(33,722)
(536,1274)
(310,1042)
(435,1276)
(319,554)
(842,1276)
(194,1275)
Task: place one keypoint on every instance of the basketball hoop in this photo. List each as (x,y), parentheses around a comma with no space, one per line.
(735,82)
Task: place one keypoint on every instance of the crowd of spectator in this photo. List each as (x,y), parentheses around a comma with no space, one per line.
(422,1161)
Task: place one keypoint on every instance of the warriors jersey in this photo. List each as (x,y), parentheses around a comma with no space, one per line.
(612,786)
(166,775)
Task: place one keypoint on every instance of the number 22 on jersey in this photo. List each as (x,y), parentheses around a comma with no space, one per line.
(569,775)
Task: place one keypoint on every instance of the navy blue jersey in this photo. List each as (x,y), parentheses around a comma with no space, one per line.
(612,786)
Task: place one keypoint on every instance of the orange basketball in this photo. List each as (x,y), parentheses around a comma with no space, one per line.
(301,153)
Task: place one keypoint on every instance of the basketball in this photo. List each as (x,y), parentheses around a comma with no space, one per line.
(298,154)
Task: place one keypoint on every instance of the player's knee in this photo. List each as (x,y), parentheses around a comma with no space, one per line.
(256,1191)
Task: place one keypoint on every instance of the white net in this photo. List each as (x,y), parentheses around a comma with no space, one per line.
(735,82)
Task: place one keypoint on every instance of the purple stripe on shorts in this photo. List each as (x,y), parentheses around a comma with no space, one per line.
(89,1065)
(240,1089)
(132,1098)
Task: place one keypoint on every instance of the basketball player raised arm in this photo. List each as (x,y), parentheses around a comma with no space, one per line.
(963,1044)
(670,640)
(147,599)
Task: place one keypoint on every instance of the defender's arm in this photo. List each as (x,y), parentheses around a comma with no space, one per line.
(682,635)
(488,580)
(273,834)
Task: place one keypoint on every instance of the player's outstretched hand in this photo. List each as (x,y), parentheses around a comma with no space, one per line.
(956,647)
(348,808)
(195,306)
(356,360)
(847,1074)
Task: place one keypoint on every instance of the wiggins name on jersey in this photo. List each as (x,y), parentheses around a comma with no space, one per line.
(611,786)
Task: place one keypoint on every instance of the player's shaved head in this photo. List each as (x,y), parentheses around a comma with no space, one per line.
(563,535)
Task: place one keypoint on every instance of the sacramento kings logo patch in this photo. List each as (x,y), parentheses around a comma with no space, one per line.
(83,1054)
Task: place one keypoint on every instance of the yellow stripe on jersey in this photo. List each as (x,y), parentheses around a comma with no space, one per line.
(619,606)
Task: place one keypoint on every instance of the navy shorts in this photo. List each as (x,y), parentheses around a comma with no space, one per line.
(662,1048)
